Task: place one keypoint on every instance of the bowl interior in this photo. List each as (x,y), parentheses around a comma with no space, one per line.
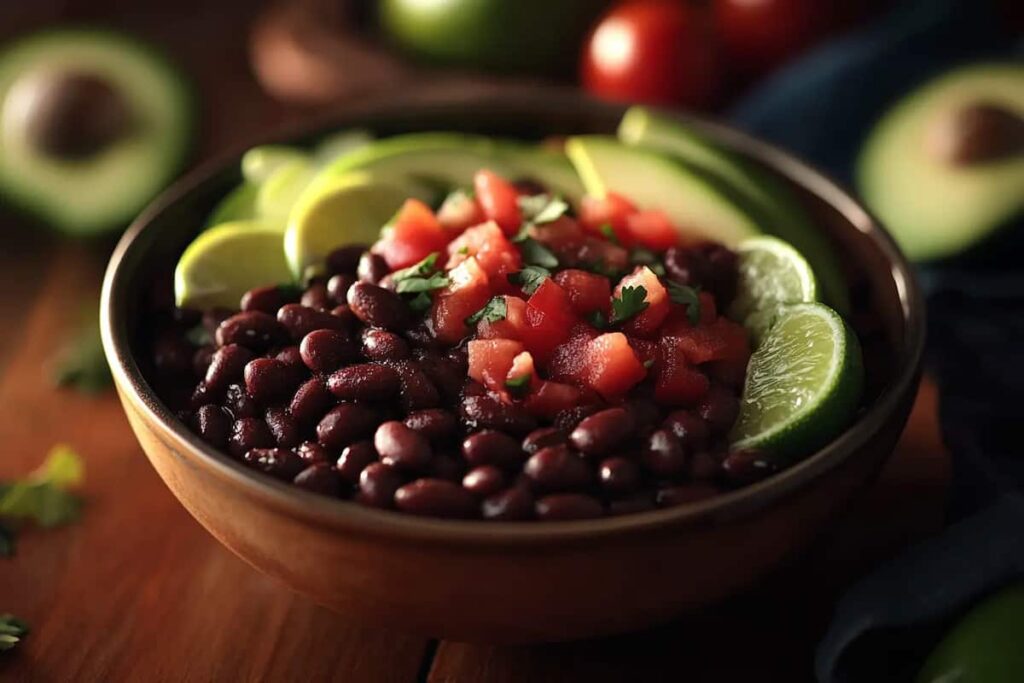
(886,309)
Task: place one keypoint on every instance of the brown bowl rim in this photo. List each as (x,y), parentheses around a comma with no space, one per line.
(354,518)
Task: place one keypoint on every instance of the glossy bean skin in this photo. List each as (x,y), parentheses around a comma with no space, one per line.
(544,437)
(267,299)
(435,498)
(298,321)
(279,463)
(354,459)
(602,432)
(248,433)
(254,330)
(747,466)
(319,478)
(382,345)
(324,351)
(487,412)
(691,430)
(619,476)
(316,296)
(568,506)
(378,307)
(239,403)
(344,424)
(436,424)
(337,288)
(719,408)
(226,366)
(484,481)
(283,427)
(364,382)
(664,455)
(556,468)
(401,447)
(377,485)
(490,447)
(311,452)
(417,391)
(371,268)
(515,504)
(268,380)
(213,424)
(311,401)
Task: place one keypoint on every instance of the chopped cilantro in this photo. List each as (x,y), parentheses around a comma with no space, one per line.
(536,254)
(420,302)
(421,269)
(630,302)
(641,256)
(542,208)
(81,363)
(463,250)
(529,278)
(597,319)
(41,497)
(648,363)
(687,296)
(494,310)
(609,232)
(517,386)
(12,630)
(420,278)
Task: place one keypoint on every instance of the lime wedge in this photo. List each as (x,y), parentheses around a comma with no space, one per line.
(227,260)
(279,193)
(334,146)
(340,210)
(771,274)
(237,205)
(803,384)
(260,163)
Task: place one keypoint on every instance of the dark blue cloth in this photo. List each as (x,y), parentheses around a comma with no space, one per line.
(821,108)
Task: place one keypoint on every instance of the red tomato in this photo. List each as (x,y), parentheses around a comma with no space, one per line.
(677,382)
(612,366)
(510,327)
(411,237)
(652,229)
(650,319)
(495,254)
(655,51)
(599,251)
(466,295)
(612,211)
(460,211)
(588,292)
(490,361)
(758,35)
(550,317)
(551,398)
(499,200)
(569,362)
(721,340)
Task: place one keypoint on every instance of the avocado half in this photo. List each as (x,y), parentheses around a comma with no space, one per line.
(933,171)
(92,125)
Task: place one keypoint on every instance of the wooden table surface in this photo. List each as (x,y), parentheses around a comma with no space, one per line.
(137,590)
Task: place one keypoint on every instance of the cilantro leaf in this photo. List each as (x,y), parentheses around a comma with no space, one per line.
(536,254)
(12,630)
(517,386)
(6,542)
(420,302)
(542,208)
(641,256)
(421,269)
(609,233)
(494,310)
(649,363)
(81,363)
(42,497)
(629,302)
(598,319)
(420,278)
(687,296)
(529,278)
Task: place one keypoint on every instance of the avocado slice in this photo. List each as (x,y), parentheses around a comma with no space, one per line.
(448,160)
(92,125)
(693,200)
(237,205)
(941,178)
(776,208)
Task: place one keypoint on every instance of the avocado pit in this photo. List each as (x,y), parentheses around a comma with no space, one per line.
(976,133)
(71,115)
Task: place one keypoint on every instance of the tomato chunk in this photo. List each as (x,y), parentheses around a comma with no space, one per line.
(414,234)
(551,398)
(549,317)
(522,376)
(512,326)
(652,229)
(612,211)
(612,366)
(721,340)
(650,319)
(459,211)
(499,200)
(569,361)
(677,382)
(588,292)
(495,254)
(467,294)
(490,361)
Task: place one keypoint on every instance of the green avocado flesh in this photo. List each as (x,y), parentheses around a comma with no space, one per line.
(935,208)
(776,209)
(104,190)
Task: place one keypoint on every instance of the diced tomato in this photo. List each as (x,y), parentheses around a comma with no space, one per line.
(646,349)
(721,340)
(612,366)
(613,211)
(561,235)
(595,251)
(459,211)
(588,292)
(509,327)
(495,254)
(652,229)
(499,200)
(490,361)
(650,319)
(413,235)
(569,361)
(549,317)
(467,294)
(677,382)
(551,398)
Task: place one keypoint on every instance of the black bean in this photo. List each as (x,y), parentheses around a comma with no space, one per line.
(484,481)
(704,466)
(343,313)
(417,391)
(364,382)
(436,424)
(747,466)
(487,412)
(172,356)
(311,452)
(567,420)
(646,415)
(436,498)
(337,287)
(691,430)
(722,273)
(639,502)
(378,307)
(316,296)
(511,505)
(664,455)
(447,375)
(284,427)
(544,437)
(202,359)
(382,345)
(556,468)
(402,447)
(227,366)
(489,447)
(291,355)
(202,395)
(377,485)
(239,403)
(213,317)
(280,463)
(719,408)
(567,506)
(248,433)
(447,466)
(325,351)
(311,401)
(619,476)
(344,424)
(268,380)
(345,259)
(252,329)
(320,478)
(602,432)
(686,266)
(300,320)
(371,268)
(267,299)
(670,496)
(213,424)
(354,459)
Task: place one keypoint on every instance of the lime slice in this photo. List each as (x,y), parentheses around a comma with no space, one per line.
(279,193)
(237,205)
(803,384)
(260,163)
(340,210)
(771,273)
(225,261)
(337,145)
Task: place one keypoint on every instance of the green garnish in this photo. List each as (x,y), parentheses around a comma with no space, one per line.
(12,630)
(648,363)
(609,232)
(536,254)
(529,278)
(687,296)
(542,208)
(494,310)
(81,363)
(517,386)
(641,256)
(463,250)
(42,497)
(420,302)
(630,301)
(421,277)
(6,542)
(598,319)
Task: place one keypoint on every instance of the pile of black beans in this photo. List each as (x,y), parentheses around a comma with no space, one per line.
(342,390)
